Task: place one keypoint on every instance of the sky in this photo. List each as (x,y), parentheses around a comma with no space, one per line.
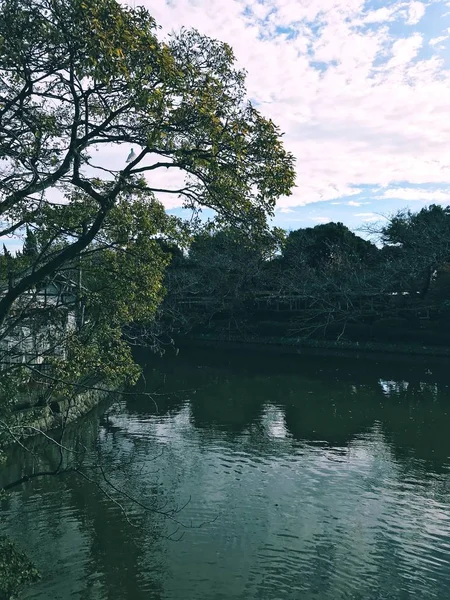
(360,89)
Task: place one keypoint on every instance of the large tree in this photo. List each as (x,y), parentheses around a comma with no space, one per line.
(77,76)
(324,246)
(331,271)
(421,243)
(227,267)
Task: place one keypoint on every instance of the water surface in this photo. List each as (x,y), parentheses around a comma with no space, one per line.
(294,478)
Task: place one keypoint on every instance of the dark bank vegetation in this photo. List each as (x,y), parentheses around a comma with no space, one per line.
(321,283)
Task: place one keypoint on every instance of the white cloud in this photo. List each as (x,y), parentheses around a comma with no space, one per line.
(416,11)
(320,219)
(438,40)
(372,112)
(380,15)
(405,50)
(417,194)
(368,217)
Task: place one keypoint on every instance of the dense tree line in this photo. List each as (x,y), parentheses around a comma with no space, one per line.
(324,281)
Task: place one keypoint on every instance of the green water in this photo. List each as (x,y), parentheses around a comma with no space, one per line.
(304,478)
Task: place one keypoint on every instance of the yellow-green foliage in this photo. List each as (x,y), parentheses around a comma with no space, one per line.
(16,570)
(84,75)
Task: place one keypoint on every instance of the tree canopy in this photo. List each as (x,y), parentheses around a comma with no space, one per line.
(78,76)
(81,83)
(324,245)
(422,241)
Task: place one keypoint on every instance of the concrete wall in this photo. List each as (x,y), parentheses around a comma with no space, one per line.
(46,418)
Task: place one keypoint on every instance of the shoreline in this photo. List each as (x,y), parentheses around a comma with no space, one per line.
(36,420)
(319,347)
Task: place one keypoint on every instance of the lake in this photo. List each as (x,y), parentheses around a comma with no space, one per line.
(267,477)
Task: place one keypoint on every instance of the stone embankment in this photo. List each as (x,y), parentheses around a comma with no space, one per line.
(35,419)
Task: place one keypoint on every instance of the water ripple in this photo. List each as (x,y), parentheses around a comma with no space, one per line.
(272,512)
